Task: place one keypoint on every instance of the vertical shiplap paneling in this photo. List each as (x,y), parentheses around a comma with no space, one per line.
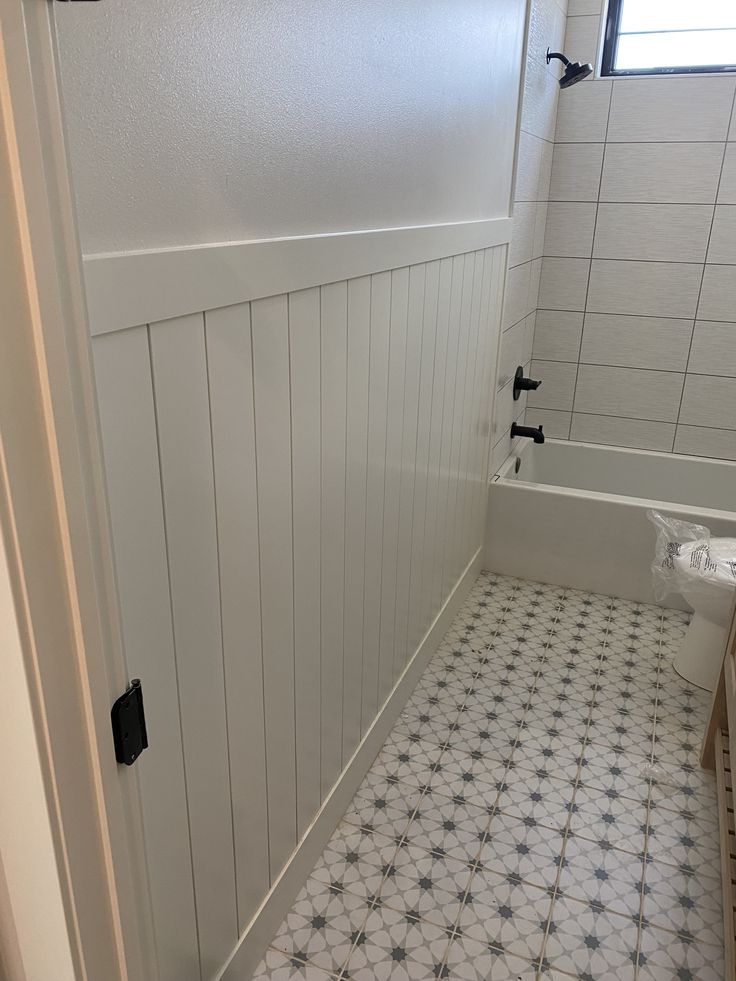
(334,343)
(306,441)
(377,409)
(433,522)
(392,476)
(407,471)
(230,373)
(270,336)
(185,448)
(358,365)
(448,415)
(127,420)
(420,553)
(452,550)
(492,306)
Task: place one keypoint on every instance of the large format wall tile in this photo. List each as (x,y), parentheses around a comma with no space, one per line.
(582,113)
(564,283)
(555,424)
(682,173)
(713,350)
(558,385)
(576,172)
(658,232)
(718,296)
(581,39)
(722,247)
(641,434)
(656,289)
(727,188)
(570,227)
(557,335)
(701,441)
(654,110)
(709,401)
(636,342)
(630,392)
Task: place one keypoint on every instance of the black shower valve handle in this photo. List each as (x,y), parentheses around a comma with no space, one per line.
(522,384)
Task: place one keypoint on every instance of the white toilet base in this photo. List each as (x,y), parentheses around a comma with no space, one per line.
(699,659)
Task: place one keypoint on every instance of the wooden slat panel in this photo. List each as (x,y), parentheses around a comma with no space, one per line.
(359,325)
(304,353)
(230,371)
(421,553)
(377,407)
(185,448)
(481,410)
(127,419)
(407,472)
(394,425)
(496,260)
(334,406)
(270,333)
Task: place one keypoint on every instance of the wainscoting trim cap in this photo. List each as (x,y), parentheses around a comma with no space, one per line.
(127,289)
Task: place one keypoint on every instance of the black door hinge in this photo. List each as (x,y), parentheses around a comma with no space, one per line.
(129,724)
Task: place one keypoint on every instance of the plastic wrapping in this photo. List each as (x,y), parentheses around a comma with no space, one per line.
(687,559)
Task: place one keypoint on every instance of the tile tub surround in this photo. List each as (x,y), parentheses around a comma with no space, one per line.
(537,811)
(546,25)
(639,264)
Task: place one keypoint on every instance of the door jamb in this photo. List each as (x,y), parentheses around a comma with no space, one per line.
(54,518)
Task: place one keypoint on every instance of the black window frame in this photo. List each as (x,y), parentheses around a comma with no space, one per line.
(610,47)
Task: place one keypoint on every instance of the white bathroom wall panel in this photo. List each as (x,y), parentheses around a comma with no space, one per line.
(296,485)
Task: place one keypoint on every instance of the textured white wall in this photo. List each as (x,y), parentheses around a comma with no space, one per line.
(241,119)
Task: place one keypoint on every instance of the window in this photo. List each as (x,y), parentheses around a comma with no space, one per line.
(656,37)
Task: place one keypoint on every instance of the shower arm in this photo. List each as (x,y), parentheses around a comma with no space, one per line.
(557,54)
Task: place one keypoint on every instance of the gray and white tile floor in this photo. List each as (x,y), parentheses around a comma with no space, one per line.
(538,811)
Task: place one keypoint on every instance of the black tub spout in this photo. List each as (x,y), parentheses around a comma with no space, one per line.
(536,434)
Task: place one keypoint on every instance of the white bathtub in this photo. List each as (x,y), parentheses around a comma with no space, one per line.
(574,514)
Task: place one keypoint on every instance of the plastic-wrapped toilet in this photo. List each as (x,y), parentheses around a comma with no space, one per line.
(702,570)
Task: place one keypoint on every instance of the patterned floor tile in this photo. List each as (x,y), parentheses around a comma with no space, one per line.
(394,947)
(685,903)
(507,914)
(666,957)
(276,966)
(602,876)
(322,925)
(423,886)
(473,960)
(591,943)
(547,734)
(356,860)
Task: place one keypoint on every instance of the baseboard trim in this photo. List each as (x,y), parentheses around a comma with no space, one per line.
(128,289)
(257,935)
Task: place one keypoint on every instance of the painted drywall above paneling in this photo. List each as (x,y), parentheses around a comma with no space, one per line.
(637,304)
(239,119)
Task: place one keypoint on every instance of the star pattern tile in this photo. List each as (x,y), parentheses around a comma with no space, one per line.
(537,812)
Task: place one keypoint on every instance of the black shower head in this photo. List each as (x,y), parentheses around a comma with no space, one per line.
(574,71)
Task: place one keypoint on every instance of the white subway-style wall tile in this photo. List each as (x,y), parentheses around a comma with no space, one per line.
(527,167)
(563,284)
(557,388)
(713,349)
(722,247)
(657,289)
(679,173)
(516,349)
(727,188)
(576,172)
(539,101)
(557,335)
(718,296)
(579,8)
(701,441)
(507,410)
(555,424)
(657,232)
(709,401)
(540,228)
(582,113)
(640,434)
(651,110)
(636,342)
(570,227)
(631,392)
(535,276)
